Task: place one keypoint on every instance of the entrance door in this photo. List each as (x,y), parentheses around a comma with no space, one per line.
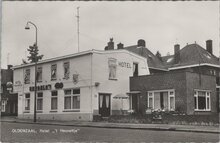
(104,105)
(135,103)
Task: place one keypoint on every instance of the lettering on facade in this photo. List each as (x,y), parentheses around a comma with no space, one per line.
(124,64)
(40,87)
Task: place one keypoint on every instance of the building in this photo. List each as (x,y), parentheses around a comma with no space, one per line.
(9,100)
(78,86)
(190,84)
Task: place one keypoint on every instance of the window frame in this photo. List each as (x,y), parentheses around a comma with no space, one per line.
(71,95)
(53,67)
(27,81)
(54,97)
(66,75)
(27,99)
(39,98)
(196,100)
(169,96)
(40,68)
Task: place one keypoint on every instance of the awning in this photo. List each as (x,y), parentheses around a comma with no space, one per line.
(121,96)
(133,92)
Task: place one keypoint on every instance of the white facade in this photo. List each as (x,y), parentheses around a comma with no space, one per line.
(95,77)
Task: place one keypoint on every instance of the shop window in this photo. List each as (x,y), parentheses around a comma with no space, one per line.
(40,101)
(53,72)
(72,99)
(202,100)
(27,101)
(27,74)
(135,69)
(54,100)
(112,68)
(66,67)
(39,74)
(161,100)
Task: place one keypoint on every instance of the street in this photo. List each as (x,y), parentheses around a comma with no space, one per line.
(21,132)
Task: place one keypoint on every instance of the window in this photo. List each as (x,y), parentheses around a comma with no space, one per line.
(150,100)
(135,69)
(27,101)
(72,99)
(112,68)
(53,72)
(27,76)
(66,66)
(202,100)
(54,100)
(3,105)
(39,74)
(40,101)
(163,100)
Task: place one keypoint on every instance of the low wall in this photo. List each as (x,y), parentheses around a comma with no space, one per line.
(61,117)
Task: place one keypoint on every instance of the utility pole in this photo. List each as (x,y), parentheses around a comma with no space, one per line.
(78,26)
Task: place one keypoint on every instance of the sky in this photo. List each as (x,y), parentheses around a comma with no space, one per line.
(160,24)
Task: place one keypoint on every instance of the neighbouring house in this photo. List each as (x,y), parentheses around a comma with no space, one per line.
(189,85)
(78,86)
(9,101)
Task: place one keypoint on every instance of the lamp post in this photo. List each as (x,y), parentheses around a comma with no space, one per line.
(35,67)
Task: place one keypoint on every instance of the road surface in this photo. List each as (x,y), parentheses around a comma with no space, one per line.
(22,132)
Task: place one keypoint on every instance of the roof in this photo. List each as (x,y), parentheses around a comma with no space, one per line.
(153,61)
(192,55)
(77,55)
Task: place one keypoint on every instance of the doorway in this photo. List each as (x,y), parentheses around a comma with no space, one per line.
(104,104)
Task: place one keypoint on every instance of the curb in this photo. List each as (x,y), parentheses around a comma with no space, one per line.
(118,127)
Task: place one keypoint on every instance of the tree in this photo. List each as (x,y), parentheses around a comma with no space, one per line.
(33,51)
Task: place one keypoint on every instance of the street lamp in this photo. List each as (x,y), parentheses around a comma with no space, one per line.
(35,66)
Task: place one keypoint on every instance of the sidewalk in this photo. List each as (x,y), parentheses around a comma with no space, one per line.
(163,127)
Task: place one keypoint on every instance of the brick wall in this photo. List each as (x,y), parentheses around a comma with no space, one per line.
(183,82)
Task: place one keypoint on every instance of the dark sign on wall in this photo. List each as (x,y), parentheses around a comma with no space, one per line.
(40,87)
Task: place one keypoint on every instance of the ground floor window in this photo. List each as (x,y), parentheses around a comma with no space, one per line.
(54,100)
(27,101)
(163,100)
(3,106)
(72,99)
(40,101)
(202,100)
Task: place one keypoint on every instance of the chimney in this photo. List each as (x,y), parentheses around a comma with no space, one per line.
(141,43)
(111,44)
(9,67)
(120,46)
(209,46)
(176,53)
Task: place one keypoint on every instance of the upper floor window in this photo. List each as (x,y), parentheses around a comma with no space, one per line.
(53,72)
(202,100)
(66,67)
(135,69)
(27,74)
(39,74)
(112,68)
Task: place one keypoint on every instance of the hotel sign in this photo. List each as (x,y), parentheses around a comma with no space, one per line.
(124,64)
(40,87)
